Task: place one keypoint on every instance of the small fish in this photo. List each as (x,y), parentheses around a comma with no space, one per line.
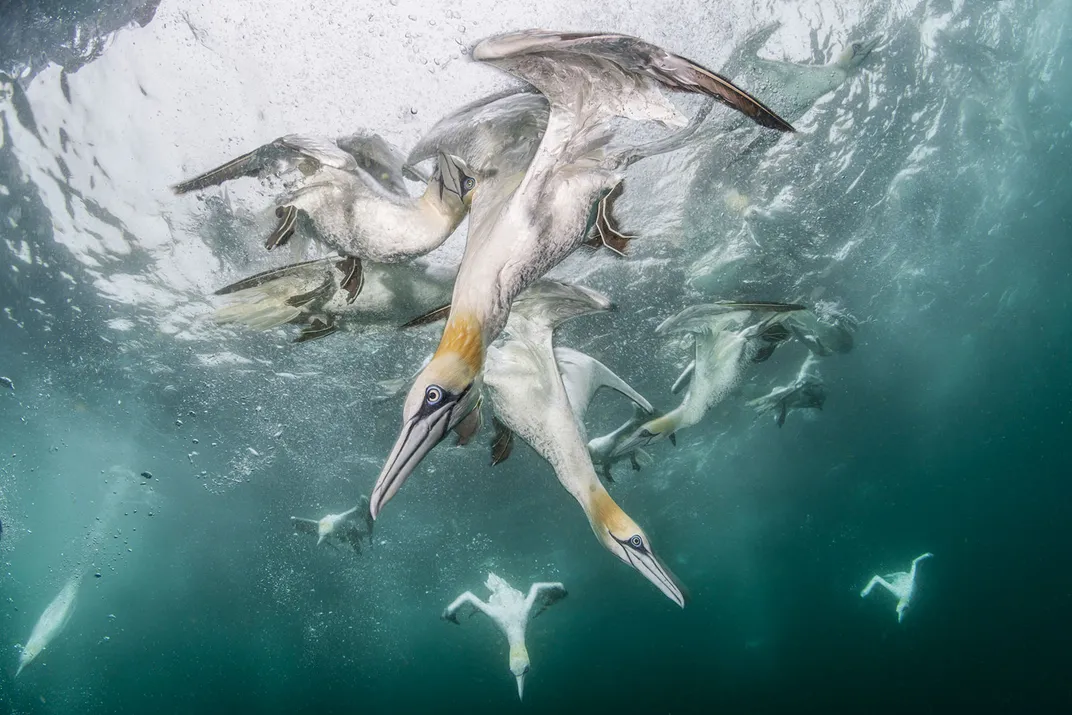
(6,382)
(147,475)
(1,529)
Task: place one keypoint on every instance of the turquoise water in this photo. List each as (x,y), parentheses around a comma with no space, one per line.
(927,196)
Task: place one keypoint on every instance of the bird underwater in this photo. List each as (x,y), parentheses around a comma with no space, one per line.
(536,171)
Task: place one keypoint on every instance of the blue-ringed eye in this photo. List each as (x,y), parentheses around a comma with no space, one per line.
(433,395)
(635,541)
(469,183)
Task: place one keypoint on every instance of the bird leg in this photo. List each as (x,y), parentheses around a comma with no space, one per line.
(320,326)
(353,277)
(606,231)
(288,217)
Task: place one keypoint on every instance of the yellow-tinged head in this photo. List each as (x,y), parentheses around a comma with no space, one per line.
(519,666)
(651,431)
(441,396)
(29,652)
(624,538)
(454,181)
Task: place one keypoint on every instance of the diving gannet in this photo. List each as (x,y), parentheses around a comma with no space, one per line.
(900,584)
(727,337)
(311,294)
(797,86)
(511,610)
(527,394)
(805,392)
(51,623)
(340,527)
(354,210)
(518,230)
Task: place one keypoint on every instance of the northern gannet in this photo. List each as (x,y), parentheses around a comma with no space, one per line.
(511,610)
(51,623)
(727,337)
(805,392)
(900,584)
(340,527)
(797,86)
(363,213)
(527,394)
(311,294)
(520,229)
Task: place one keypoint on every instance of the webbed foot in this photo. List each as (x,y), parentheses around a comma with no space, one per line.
(288,218)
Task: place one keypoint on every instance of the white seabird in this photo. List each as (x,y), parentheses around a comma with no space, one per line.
(522,226)
(527,394)
(902,585)
(51,623)
(350,527)
(511,610)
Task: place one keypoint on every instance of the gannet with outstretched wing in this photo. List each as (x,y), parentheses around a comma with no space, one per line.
(355,203)
(511,610)
(520,229)
(529,398)
(727,337)
(349,527)
(311,294)
(900,584)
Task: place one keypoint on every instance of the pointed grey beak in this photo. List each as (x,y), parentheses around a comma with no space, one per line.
(418,436)
(652,568)
(866,47)
(520,686)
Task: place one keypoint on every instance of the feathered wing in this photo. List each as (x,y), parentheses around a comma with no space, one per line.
(546,304)
(497,134)
(464,606)
(277,157)
(583,376)
(718,316)
(278,296)
(558,63)
(684,378)
(377,158)
(305,526)
(541,596)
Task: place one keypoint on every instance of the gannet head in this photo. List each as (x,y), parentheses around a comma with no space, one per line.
(444,392)
(519,666)
(456,183)
(624,538)
(29,652)
(902,608)
(854,55)
(650,431)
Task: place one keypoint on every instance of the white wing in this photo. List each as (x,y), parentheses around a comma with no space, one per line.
(583,376)
(306,526)
(542,596)
(465,605)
